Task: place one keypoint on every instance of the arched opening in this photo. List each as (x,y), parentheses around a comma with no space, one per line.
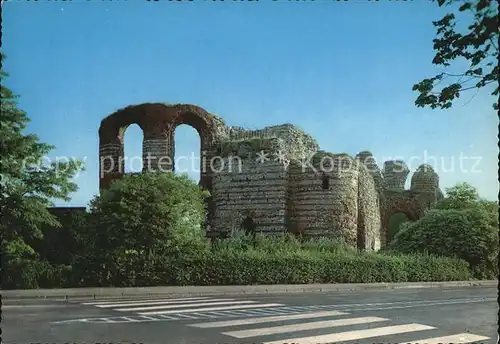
(132,149)
(249,226)
(187,145)
(326,183)
(395,222)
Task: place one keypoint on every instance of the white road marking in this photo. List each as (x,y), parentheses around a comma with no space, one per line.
(354,335)
(213,324)
(156,302)
(302,327)
(94,303)
(135,309)
(457,338)
(148,318)
(212,309)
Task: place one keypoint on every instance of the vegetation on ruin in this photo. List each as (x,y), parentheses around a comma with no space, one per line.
(470,36)
(254,144)
(336,158)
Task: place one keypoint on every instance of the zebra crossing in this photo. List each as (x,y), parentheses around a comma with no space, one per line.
(187,308)
(290,333)
(276,323)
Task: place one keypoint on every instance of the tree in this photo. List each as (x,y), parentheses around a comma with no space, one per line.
(140,221)
(462,225)
(28,186)
(478,46)
(460,196)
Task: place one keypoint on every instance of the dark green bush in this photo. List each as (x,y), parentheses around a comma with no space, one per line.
(33,274)
(280,261)
(267,264)
(465,234)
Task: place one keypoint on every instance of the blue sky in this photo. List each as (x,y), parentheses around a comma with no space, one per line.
(343,72)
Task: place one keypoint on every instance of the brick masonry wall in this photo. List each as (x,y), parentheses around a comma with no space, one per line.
(255,190)
(355,205)
(156,154)
(395,174)
(425,184)
(316,211)
(369,234)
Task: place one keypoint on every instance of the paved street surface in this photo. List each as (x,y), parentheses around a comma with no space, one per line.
(465,315)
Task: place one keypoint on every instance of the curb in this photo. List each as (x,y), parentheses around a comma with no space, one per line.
(100,293)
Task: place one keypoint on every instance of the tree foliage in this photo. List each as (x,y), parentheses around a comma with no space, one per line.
(461,196)
(143,216)
(461,225)
(28,185)
(478,46)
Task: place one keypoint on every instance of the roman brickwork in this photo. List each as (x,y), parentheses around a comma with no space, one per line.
(274,180)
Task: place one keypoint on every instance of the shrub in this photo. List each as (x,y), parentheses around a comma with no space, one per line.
(285,260)
(137,223)
(33,274)
(269,261)
(465,234)
(461,225)
(59,245)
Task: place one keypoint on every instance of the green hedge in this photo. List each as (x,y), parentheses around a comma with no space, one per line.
(33,274)
(250,267)
(235,262)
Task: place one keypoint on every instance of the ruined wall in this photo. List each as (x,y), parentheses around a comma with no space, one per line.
(367,159)
(158,122)
(256,190)
(295,188)
(324,197)
(395,174)
(288,139)
(369,222)
(425,183)
(423,194)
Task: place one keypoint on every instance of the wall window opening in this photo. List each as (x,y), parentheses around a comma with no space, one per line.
(132,149)
(326,183)
(186,159)
(249,225)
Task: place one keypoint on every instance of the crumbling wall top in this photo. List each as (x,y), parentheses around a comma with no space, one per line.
(290,140)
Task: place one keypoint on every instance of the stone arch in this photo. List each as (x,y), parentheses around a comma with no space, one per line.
(131,161)
(249,226)
(407,206)
(394,224)
(158,122)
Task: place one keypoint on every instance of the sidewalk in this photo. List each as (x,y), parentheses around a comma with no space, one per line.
(99,293)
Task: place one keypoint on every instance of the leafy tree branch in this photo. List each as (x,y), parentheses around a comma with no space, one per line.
(478,46)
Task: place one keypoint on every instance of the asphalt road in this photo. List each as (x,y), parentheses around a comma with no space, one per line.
(463,315)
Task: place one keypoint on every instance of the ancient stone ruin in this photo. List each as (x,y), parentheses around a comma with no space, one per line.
(274,180)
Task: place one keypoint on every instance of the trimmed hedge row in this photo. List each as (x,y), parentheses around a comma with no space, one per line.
(250,268)
(239,267)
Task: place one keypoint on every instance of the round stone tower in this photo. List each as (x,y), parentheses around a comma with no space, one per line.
(324,197)
(425,182)
(395,174)
(369,161)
